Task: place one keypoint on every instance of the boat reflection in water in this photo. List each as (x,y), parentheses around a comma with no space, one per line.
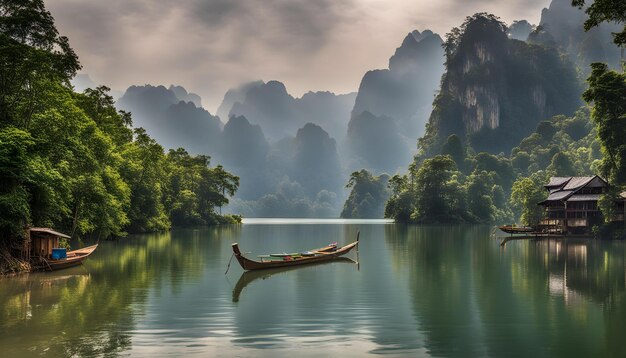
(248,277)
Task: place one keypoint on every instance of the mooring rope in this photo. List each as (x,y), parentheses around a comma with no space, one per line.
(229,261)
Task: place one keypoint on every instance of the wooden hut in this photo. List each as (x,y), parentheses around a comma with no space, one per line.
(42,240)
(572,205)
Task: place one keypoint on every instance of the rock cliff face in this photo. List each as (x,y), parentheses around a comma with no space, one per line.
(405,91)
(496,89)
(561,25)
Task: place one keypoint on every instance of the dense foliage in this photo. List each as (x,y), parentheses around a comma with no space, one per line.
(71,161)
(463,186)
(450,182)
(436,191)
(367,196)
(604,11)
(606,93)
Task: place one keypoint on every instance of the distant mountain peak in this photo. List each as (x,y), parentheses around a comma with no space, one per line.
(276,87)
(182,94)
(415,48)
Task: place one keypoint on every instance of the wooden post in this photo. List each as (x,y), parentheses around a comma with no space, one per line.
(565,220)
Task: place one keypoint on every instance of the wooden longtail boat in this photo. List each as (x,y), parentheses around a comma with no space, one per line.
(326,253)
(73,258)
(516,229)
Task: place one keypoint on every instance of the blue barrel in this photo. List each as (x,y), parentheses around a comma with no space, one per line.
(59,253)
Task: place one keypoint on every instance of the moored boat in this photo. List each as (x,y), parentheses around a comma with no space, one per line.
(75,257)
(42,246)
(325,253)
(516,229)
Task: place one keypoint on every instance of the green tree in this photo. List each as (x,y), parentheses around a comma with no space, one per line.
(195,189)
(438,194)
(526,194)
(145,170)
(604,11)
(367,196)
(479,187)
(32,54)
(455,149)
(607,92)
(561,165)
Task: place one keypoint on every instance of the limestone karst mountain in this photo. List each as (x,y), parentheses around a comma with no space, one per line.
(496,89)
(234,95)
(173,121)
(182,94)
(520,29)
(393,105)
(405,91)
(376,143)
(280,114)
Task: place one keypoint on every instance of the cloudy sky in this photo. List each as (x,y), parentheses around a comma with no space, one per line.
(209,46)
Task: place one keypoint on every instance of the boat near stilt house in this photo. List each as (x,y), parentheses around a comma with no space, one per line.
(42,249)
(511,229)
(571,209)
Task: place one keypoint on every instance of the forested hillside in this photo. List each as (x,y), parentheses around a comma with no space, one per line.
(73,162)
(455,179)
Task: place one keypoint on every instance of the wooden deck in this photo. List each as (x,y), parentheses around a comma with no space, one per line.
(536,236)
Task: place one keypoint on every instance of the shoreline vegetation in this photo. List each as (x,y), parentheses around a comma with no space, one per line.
(73,162)
(451,181)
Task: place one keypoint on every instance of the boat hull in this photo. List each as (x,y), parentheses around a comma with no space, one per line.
(516,229)
(248,264)
(74,258)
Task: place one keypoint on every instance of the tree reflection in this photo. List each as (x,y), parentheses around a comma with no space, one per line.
(90,310)
(540,298)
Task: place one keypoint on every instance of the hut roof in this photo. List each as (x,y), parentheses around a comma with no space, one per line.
(577,183)
(565,188)
(559,195)
(557,181)
(584,197)
(45,230)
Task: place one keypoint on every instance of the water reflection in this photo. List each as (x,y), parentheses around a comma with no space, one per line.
(420,291)
(540,298)
(89,310)
(248,277)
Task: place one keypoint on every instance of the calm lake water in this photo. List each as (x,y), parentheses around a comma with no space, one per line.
(418,291)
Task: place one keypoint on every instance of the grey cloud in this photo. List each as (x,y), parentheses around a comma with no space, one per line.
(280,24)
(210,46)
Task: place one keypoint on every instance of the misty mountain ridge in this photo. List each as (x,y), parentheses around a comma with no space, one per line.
(304,163)
(492,91)
(280,114)
(520,29)
(82,81)
(393,105)
(561,26)
(171,116)
(182,94)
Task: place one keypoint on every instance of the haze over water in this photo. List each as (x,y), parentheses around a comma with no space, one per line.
(419,291)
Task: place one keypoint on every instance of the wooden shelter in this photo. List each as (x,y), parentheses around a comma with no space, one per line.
(572,205)
(41,241)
